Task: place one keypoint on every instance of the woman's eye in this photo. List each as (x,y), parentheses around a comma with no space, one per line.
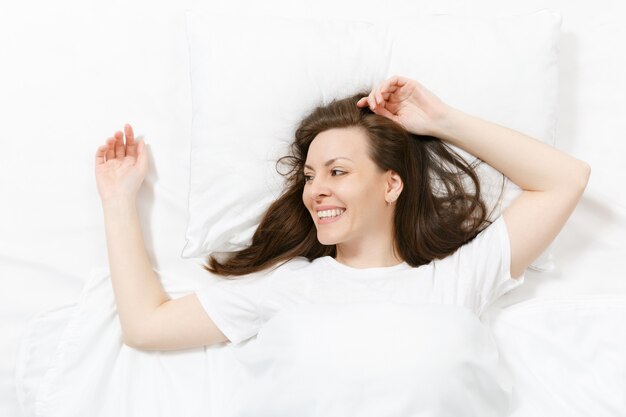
(308,177)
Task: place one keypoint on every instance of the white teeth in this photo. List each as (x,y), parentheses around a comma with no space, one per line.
(330,213)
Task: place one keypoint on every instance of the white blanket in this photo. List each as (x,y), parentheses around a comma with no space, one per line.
(559,357)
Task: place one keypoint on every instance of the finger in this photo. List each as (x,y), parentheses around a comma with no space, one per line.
(371,101)
(384,112)
(131,144)
(100,153)
(362,102)
(130,135)
(380,104)
(391,85)
(110,153)
(120,152)
(379,97)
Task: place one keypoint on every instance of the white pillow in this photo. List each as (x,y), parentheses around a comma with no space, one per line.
(254,78)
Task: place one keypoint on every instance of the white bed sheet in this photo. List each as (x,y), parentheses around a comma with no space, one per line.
(75,72)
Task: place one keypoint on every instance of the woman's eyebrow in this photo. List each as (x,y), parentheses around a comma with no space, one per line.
(330,161)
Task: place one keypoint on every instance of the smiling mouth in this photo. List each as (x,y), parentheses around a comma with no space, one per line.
(330,219)
(329,214)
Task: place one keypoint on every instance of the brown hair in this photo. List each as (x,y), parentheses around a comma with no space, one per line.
(435,213)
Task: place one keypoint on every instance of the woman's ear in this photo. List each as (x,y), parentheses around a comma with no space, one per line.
(394,186)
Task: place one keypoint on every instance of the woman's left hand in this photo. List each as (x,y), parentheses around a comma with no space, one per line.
(408,103)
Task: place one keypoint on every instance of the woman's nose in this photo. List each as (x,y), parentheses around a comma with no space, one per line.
(318,187)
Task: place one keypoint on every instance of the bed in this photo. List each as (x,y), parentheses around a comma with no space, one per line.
(75,74)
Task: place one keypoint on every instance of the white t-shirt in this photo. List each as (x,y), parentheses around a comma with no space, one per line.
(473,277)
(336,341)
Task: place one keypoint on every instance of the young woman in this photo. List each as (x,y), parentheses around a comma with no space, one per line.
(374,194)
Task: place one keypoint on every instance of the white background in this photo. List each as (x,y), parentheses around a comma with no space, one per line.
(74,71)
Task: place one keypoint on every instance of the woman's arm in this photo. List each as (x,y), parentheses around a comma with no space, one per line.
(529,163)
(138,291)
(552,181)
(149,319)
(120,169)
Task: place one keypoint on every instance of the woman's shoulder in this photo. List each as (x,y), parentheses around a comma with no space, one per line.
(489,237)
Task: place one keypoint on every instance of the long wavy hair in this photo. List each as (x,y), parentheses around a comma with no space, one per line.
(438,210)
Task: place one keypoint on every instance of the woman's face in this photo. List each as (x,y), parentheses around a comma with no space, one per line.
(339,175)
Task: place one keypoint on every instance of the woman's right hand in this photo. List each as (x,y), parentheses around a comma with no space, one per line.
(121,168)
